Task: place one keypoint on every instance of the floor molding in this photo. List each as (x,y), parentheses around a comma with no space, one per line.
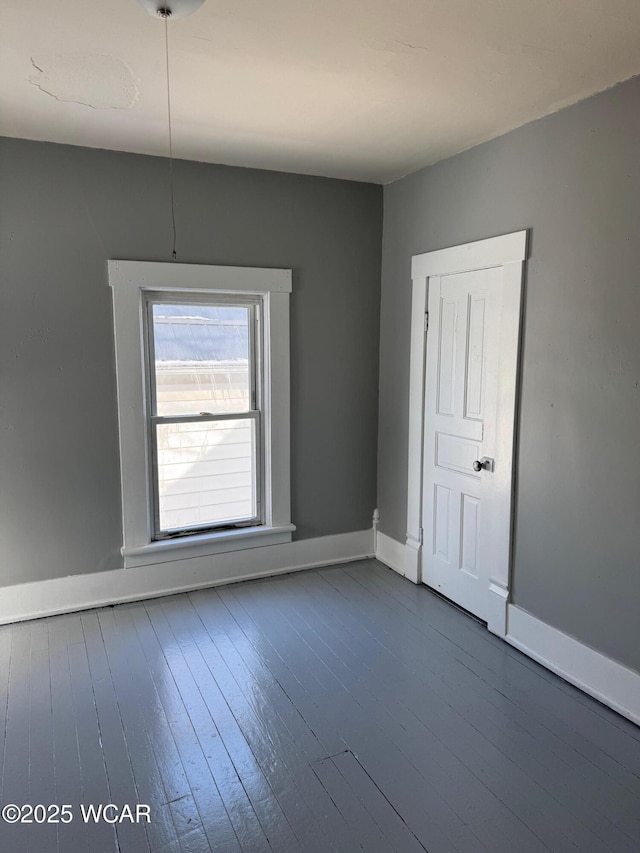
(98,589)
(398,556)
(600,676)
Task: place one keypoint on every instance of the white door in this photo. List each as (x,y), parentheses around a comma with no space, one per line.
(464,519)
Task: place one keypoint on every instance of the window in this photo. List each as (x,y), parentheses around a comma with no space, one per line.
(204,393)
(202,365)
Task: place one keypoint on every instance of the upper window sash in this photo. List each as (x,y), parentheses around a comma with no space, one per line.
(254,307)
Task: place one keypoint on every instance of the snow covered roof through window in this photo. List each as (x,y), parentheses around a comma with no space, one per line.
(200,333)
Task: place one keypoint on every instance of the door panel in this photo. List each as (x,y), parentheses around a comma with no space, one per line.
(447,357)
(470,529)
(460,415)
(442,524)
(475,358)
(455,453)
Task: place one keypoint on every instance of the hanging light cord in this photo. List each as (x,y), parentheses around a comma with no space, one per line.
(173,207)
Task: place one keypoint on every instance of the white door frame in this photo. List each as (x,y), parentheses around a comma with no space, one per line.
(508,252)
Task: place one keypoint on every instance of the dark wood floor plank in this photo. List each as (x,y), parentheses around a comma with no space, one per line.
(15,767)
(526,677)
(251,674)
(250,669)
(598,789)
(265,733)
(276,732)
(42,788)
(312,729)
(430,816)
(490,819)
(179,758)
(365,830)
(92,681)
(300,795)
(412,712)
(217,789)
(527,695)
(341,709)
(6,635)
(266,689)
(103,779)
(497,726)
(257,647)
(312,709)
(157,769)
(208,709)
(5,669)
(459,741)
(66,759)
(381,812)
(590,727)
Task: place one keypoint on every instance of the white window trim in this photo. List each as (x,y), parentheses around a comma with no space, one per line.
(129,281)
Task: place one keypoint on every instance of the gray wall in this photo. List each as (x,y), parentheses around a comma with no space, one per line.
(63,212)
(574,180)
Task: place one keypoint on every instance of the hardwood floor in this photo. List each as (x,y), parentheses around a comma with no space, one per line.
(341,709)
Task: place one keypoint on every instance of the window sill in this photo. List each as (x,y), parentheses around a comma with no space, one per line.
(206,544)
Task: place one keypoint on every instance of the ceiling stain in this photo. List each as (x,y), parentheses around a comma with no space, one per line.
(98,81)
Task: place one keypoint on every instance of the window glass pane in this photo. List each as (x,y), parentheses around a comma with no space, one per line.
(206,472)
(201,358)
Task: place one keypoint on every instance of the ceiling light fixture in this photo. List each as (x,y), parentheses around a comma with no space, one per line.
(174,9)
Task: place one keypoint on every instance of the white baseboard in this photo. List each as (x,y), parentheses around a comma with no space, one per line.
(82,592)
(593,672)
(598,675)
(402,558)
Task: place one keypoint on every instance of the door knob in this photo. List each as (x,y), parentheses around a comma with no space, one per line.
(484,464)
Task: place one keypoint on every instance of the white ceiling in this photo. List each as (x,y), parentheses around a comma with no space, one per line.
(362,89)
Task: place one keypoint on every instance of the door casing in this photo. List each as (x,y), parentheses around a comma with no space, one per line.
(508,252)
